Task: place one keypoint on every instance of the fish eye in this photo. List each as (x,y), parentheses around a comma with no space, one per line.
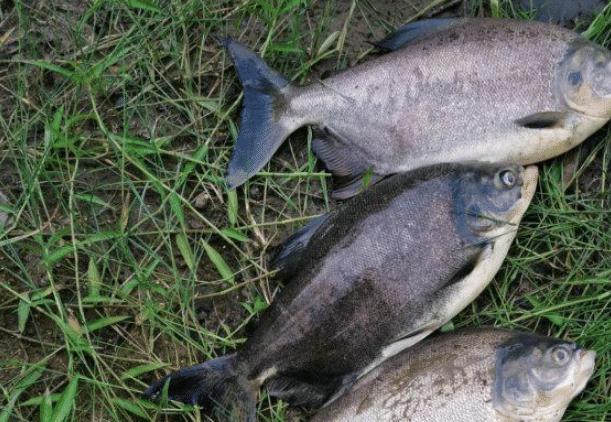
(575,78)
(508,178)
(560,355)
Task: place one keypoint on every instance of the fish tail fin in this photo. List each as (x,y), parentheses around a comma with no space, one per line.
(215,384)
(263,126)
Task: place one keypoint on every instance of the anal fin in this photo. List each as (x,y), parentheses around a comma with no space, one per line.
(347,189)
(351,172)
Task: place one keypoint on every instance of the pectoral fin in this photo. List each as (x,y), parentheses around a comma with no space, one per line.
(414,31)
(543,120)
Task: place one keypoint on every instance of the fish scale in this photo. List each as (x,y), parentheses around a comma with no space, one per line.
(453,90)
(370,279)
(456,377)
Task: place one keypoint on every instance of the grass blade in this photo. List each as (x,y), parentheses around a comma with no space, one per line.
(232,207)
(136,371)
(147,5)
(23,313)
(185,250)
(98,324)
(46,407)
(218,261)
(66,401)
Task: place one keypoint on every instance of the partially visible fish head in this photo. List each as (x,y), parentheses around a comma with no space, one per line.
(537,377)
(496,196)
(584,80)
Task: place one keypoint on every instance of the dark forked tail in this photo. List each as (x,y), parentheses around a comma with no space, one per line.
(215,384)
(263,125)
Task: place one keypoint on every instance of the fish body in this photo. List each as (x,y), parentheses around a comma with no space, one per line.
(562,11)
(452,90)
(372,278)
(473,375)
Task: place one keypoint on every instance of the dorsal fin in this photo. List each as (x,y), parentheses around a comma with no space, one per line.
(291,251)
(414,31)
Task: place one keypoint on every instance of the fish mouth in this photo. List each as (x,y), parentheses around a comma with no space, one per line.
(586,362)
(602,82)
(530,175)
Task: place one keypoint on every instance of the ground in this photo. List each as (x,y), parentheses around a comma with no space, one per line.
(122,254)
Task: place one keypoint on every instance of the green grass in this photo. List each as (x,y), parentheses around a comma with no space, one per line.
(126,257)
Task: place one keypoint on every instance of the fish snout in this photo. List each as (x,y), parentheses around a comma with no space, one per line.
(587,359)
(602,80)
(529,179)
(586,362)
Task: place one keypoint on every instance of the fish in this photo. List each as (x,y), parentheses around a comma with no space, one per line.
(365,281)
(562,11)
(471,375)
(448,90)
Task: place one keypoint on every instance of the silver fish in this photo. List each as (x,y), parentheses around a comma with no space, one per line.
(474,375)
(366,281)
(562,11)
(451,90)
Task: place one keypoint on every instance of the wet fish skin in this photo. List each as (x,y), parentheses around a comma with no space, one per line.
(377,275)
(562,11)
(473,90)
(472,375)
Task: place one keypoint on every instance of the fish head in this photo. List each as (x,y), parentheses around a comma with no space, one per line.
(493,197)
(585,80)
(537,377)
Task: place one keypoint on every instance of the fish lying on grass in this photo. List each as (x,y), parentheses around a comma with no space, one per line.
(366,281)
(453,90)
(474,375)
(562,11)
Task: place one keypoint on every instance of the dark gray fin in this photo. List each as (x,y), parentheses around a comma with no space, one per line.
(310,394)
(261,131)
(289,256)
(346,189)
(347,382)
(213,385)
(415,31)
(350,171)
(543,120)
